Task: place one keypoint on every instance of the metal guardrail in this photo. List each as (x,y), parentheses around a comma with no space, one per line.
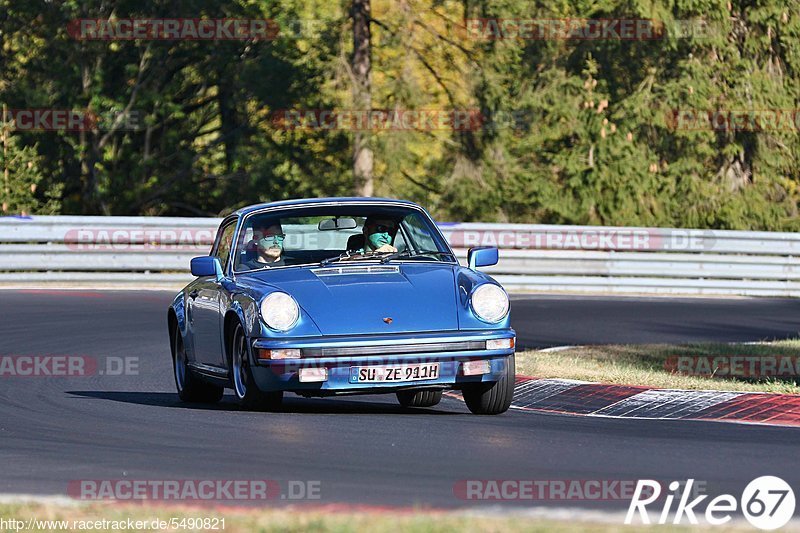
(139,251)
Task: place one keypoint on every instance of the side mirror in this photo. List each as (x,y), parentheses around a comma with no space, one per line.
(482,256)
(205,266)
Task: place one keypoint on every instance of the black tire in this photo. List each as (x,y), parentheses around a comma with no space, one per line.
(492,399)
(191,388)
(419,398)
(245,389)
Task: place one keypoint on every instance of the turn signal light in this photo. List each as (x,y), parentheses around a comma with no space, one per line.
(501,344)
(285,353)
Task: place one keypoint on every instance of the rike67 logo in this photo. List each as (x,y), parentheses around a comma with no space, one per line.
(767,503)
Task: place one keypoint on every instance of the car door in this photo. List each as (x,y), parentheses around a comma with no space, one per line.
(207,301)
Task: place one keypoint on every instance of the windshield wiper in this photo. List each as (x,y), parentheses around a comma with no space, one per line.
(339,257)
(386,258)
(409,253)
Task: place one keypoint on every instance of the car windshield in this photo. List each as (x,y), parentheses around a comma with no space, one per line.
(322,235)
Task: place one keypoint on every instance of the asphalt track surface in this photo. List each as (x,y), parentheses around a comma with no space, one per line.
(364,450)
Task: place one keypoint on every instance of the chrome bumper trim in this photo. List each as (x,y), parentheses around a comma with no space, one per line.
(431,347)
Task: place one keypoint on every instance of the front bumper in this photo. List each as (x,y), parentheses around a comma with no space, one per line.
(339,354)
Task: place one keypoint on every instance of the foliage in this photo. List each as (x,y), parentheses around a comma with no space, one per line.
(20,177)
(572,131)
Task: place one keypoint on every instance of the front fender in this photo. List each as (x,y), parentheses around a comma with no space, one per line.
(246,310)
(245,306)
(178,306)
(176,322)
(467,280)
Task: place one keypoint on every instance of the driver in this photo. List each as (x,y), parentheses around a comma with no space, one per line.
(268,243)
(378,236)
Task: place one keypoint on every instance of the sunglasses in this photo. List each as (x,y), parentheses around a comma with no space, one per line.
(382,228)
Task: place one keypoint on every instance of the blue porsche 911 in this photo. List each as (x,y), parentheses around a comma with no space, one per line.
(341,296)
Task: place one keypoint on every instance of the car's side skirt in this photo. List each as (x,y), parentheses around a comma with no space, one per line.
(208,370)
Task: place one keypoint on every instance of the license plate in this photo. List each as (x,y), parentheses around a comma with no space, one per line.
(383,374)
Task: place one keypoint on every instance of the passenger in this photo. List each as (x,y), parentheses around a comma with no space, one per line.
(379,235)
(268,245)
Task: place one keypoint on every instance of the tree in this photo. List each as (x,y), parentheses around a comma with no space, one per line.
(575,131)
(20,166)
(362,96)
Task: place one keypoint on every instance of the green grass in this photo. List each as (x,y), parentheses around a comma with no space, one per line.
(646,365)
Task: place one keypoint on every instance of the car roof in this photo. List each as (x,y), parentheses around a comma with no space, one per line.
(335,200)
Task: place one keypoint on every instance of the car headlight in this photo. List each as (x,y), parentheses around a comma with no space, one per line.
(490,302)
(279,311)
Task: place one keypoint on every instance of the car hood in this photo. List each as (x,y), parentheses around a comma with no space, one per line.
(368,299)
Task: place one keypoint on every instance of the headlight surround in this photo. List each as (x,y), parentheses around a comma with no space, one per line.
(490,303)
(279,311)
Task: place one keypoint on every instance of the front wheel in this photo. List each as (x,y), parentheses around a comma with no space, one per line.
(419,398)
(247,392)
(190,387)
(494,398)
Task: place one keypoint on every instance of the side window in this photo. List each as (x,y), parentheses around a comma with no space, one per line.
(400,242)
(419,233)
(224,245)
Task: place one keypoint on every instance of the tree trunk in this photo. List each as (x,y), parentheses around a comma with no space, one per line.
(92,204)
(362,97)
(6,188)
(227,116)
